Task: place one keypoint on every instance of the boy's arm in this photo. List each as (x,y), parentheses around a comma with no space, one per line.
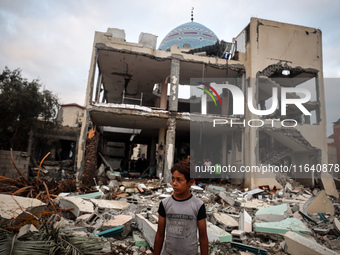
(159,238)
(202,230)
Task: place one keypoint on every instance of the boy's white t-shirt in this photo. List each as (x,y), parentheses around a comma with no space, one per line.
(181,218)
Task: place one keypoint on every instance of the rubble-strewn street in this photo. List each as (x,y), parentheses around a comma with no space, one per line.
(121,218)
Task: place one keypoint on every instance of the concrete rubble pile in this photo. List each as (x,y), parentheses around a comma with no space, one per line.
(266,220)
(54,170)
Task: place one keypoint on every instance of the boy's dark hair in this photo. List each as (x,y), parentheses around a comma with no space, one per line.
(184,167)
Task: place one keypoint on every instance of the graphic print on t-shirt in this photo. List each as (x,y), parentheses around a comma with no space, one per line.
(177,224)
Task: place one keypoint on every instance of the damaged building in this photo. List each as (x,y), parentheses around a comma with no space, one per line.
(135,97)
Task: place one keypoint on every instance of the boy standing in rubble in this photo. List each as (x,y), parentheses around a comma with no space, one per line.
(180,215)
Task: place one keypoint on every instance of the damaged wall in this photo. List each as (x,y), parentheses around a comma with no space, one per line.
(272,44)
(7,168)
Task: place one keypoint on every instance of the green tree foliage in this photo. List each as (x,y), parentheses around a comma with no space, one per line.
(22,104)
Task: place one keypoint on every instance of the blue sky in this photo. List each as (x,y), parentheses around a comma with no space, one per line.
(52,40)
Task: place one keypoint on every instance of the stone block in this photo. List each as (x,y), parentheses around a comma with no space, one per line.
(273,213)
(238,235)
(196,188)
(336,224)
(228,199)
(215,188)
(282,227)
(329,185)
(12,206)
(245,222)
(319,204)
(254,204)
(299,245)
(109,204)
(119,220)
(79,205)
(92,195)
(250,193)
(147,228)
(84,217)
(225,221)
(148,40)
(217,234)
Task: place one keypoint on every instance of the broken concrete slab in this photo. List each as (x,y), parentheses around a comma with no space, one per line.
(214,188)
(147,228)
(282,227)
(12,206)
(299,245)
(84,217)
(239,235)
(109,204)
(112,175)
(228,199)
(217,234)
(297,214)
(245,222)
(119,220)
(273,213)
(250,193)
(196,188)
(329,185)
(79,205)
(254,204)
(319,204)
(336,224)
(224,221)
(92,195)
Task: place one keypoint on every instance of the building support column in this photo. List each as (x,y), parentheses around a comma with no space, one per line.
(85,122)
(225,102)
(99,83)
(174,77)
(160,152)
(169,149)
(152,151)
(164,94)
(171,132)
(251,147)
(204,104)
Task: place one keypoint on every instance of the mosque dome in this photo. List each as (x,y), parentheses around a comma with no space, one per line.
(191,35)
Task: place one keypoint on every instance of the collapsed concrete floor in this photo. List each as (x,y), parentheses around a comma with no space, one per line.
(122,216)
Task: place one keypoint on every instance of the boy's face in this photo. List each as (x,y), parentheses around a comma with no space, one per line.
(180,184)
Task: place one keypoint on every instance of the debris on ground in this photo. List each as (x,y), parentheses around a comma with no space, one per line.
(119,216)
